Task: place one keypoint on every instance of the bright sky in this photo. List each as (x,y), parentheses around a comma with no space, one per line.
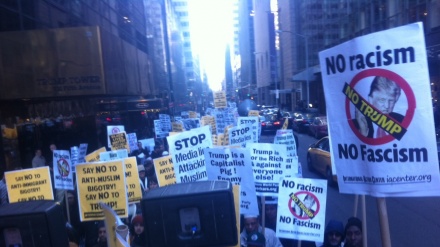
(211,30)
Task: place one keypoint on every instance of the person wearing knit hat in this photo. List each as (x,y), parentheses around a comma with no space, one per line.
(137,237)
(353,233)
(334,234)
(252,225)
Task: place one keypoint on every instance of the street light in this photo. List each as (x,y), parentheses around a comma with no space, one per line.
(306,39)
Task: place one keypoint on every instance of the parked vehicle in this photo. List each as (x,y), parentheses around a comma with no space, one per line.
(301,122)
(318,159)
(270,123)
(318,127)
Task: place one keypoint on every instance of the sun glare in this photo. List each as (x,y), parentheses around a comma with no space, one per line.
(211,32)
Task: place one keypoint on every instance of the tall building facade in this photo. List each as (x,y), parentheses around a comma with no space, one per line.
(69,68)
(247,84)
(323,24)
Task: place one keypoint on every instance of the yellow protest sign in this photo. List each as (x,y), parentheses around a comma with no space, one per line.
(132,178)
(119,141)
(220,99)
(192,114)
(286,124)
(94,156)
(164,170)
(101,182)
(29,185)
(253,113)
(177,126)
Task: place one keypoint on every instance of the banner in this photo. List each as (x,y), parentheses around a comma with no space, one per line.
(380,116)
(234,165)
(269,167)
(301,209)
(101,182)
(29,185)
(62,170)
(187,150)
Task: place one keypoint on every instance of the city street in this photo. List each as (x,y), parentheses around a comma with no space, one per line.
(413,221)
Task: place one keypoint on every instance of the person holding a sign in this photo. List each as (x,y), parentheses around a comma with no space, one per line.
(252,225)
(383,95)
(353,233)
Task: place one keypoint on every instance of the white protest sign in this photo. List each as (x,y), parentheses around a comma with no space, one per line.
(62,170)
(379,114)
(187,150)
(166,121)
(286,137)
(74,152)
(301,209)
(269,166)
(113,129)
(240,135)
(132,141)
(159,129)
(253,121)
(234,165)
(113,155)
(82,152)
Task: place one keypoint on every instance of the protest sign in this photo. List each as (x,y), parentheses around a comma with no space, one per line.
(287,138)
(253,113)
(131,172)
(82,151)
(253,121)
(119,141)
(165,119)
(301,209)
(132,180)
(164,170)
(113,129)
(29,185)
(269,166)
(177,126)
(94,156)
(234,165)
(74,153)
(132,142)
(240,135)
(192,114)
(187,150)
(159,129)
(113,155)
(220,99)
(381,145)
(209,120)
(220,122)
(62,170)
(101,182)
(191,123)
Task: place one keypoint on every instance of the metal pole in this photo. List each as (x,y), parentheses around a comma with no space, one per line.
(307,70)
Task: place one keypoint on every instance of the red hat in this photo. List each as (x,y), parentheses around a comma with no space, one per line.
(137,220)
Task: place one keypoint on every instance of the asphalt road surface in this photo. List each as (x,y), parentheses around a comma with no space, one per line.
(413,221)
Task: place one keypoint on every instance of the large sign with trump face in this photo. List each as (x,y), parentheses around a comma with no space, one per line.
(380,116)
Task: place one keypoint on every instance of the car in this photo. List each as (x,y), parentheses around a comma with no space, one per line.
(319,160)
(318,127)
(301,122)
(270,123)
